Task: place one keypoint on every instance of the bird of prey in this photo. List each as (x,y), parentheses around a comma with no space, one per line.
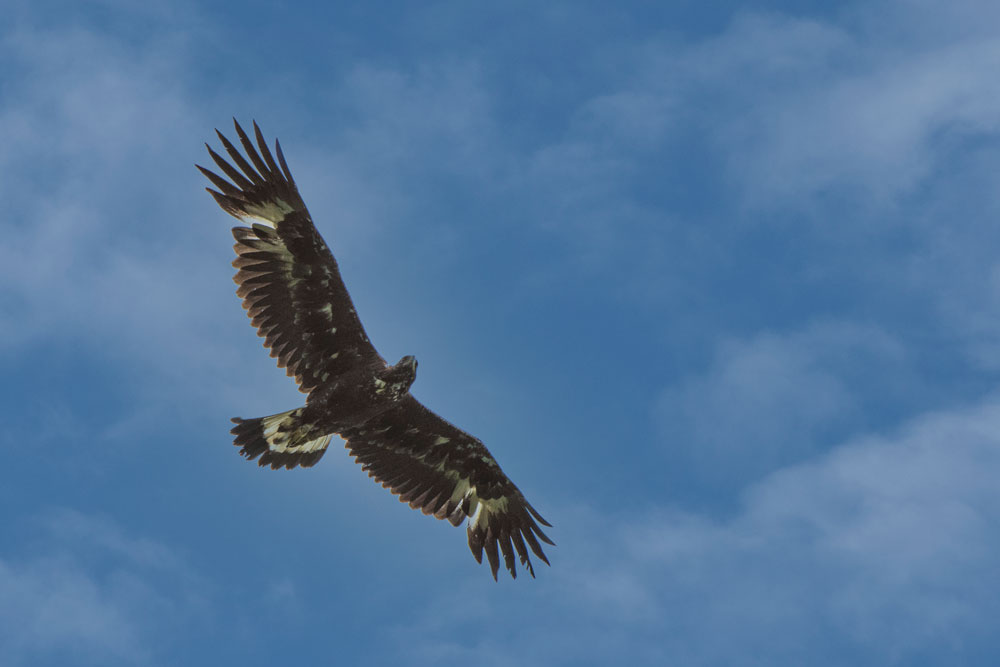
(292,290)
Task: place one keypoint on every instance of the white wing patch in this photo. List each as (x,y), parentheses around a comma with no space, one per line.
(270,212)
(481,517)
(309,446)
(268,241)
(464,494)
(289,441)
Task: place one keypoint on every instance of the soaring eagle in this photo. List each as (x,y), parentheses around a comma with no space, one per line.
(292,290)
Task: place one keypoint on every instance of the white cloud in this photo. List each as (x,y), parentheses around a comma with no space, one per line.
(104,250)
(87,141)
(869,101)
(87,589)
(773,399)
(442,107)
(879,130)
(886,541)
(50,606)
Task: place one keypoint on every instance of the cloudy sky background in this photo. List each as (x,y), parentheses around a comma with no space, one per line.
(719,286)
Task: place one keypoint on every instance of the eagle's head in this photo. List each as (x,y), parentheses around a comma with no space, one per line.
(407,369)
(397,379)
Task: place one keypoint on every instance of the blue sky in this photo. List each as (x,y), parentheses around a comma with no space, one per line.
(719,287)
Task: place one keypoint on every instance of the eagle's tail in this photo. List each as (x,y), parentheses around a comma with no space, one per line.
(281,440)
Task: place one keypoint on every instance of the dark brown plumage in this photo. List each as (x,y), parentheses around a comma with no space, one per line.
(292,290)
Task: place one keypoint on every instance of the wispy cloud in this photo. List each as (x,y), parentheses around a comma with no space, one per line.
(885,542)
(85,590)
(99,246)
(796,108)
(776,399)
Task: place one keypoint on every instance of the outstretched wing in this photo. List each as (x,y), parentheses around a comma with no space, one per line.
(442,470)
(288,279)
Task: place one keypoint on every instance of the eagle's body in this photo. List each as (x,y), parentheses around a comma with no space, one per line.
(356,396)
(293,292)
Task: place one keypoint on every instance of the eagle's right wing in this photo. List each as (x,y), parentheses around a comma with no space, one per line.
(441,470)
(288,279)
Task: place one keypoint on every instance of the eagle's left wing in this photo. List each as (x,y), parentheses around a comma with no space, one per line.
(288,278)
(442,470)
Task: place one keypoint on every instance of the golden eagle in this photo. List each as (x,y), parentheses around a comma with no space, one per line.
(292,291)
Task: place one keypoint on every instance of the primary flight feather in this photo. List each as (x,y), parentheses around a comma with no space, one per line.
(292,290)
